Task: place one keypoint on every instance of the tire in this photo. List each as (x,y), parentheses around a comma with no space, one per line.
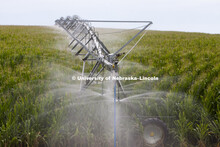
(155,132)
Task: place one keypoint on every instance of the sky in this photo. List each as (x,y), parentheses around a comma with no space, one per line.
(168,15)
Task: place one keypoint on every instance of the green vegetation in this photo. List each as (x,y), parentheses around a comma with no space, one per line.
(27,57)
(188,65)
(34,62)
(190,60)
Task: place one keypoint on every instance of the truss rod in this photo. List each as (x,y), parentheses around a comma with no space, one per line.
(116,21)
(90,82)
(132,39)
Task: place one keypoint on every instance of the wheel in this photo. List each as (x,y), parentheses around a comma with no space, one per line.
(155,132)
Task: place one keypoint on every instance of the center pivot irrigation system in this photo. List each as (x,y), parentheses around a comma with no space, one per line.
(87,43)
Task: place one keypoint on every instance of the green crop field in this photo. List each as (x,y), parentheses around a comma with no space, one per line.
(38,109)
